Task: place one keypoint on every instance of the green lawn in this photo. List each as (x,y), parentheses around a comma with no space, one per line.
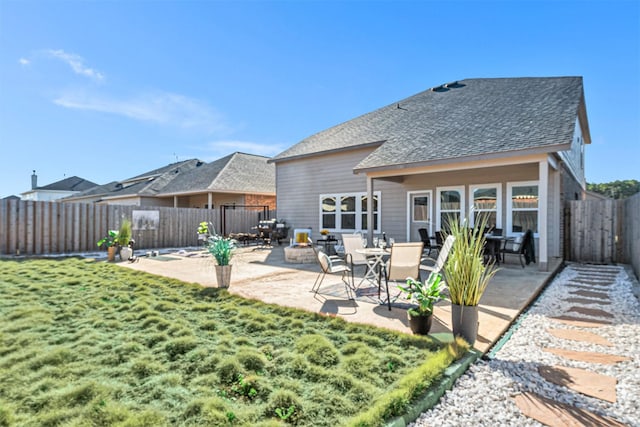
(89,343)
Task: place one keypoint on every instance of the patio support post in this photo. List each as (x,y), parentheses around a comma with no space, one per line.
(543,191)
(370,217)
(210,200)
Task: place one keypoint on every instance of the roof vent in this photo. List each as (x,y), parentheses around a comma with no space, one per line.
(199,164)
(440,88)
(454,85)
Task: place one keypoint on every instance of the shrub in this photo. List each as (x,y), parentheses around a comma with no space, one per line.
(179,346)
(318,350)
(251,360)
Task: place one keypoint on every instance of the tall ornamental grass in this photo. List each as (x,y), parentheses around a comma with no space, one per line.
(465,272)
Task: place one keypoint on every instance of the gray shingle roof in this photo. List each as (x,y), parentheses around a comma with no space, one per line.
(237,172)
(156,181)
(73,183)
(475,117)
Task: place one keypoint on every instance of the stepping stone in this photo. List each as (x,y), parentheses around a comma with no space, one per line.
(596,286)
(581,322)
(589,383)
(557,414)
(586,301)
(591,312)
(588,356)
(590,294)
(584,336)
(591,282)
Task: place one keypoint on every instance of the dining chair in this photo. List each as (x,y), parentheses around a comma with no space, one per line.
(404,263)
(426,241)
(522,246)
(352,243)
(331,266)
(443,254)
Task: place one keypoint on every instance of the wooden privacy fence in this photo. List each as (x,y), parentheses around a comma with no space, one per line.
(603,231)
(38,228)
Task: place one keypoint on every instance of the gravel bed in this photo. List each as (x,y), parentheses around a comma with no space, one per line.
(483,396)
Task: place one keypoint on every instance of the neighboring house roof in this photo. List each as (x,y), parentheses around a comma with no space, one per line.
(237,172)
(468,118)
(73,183)
(11,197)
(146,184)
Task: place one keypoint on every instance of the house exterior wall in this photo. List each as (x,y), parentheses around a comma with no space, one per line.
(464,178)
(300,183)
(260,200)
(126,201)
(574,158)
(46,195)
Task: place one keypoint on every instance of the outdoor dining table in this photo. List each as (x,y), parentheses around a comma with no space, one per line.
(374,269)
(494,243)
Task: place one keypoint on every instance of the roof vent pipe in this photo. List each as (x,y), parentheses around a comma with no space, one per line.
(34,180)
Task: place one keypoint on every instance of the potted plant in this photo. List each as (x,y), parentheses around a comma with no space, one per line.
(222,249)
(467,277)
(425,295)
(111,243)
(123,238)
(324,233)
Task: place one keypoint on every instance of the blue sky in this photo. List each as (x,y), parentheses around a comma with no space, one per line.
(106,90)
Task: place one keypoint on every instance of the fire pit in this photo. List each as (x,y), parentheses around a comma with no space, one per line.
(299,254)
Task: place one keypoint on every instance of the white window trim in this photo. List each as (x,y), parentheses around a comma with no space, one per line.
(410,195)
(510,186)
(358,212)
(498,187)
(439,190)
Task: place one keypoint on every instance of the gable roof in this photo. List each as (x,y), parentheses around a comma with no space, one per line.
(73,183)
(237,172)
(472,117)
(147,184)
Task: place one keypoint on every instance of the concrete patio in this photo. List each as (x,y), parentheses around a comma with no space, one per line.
(262,273)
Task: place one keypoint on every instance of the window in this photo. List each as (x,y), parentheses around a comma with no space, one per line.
(522,208)
(486,200)
(363,209)
(347,212)
(420,208)
(449,206)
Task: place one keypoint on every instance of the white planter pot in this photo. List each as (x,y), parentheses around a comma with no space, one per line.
(125,253)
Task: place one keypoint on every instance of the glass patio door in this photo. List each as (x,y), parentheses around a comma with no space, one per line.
(420,214)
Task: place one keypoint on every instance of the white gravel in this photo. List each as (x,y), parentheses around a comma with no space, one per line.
(483,396)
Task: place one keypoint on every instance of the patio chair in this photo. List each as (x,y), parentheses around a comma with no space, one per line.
(404,263)
(331,266)
(523,246)
(426,241)
(351,243)
(442,257)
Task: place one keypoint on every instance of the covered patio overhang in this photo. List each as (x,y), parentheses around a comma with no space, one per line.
(547,164)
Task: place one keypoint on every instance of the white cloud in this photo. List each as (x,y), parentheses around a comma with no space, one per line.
(24,61)
(76,62)
(160,107)
(226,147)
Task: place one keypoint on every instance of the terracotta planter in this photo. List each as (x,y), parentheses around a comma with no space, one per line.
(420,325)
(464,320)
(223,275)
(111,253)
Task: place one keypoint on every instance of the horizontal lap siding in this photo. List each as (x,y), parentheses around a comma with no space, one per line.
(300,182)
